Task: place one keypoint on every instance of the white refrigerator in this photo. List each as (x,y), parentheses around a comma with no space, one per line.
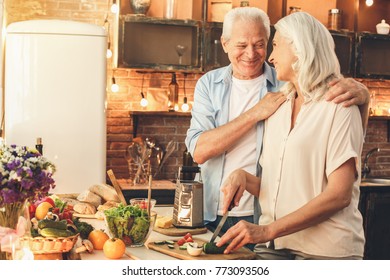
(55,89)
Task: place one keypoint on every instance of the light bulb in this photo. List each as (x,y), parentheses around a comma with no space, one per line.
(176,107)
(114,86)
(184,106)
(114,8)
(109,53)
(144,102)
(369,2)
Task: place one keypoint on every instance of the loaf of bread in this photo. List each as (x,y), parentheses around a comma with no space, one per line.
(90,197)
(84,208)
(106,192)
(107,205)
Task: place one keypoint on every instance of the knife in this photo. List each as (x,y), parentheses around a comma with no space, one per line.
(222,222)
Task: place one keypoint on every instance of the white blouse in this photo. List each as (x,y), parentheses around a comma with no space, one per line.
(296,166)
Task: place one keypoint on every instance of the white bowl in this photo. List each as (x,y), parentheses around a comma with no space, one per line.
(193,249)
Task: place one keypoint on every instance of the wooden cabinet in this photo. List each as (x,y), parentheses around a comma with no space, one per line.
(150,41)
(375,208)
(146,42)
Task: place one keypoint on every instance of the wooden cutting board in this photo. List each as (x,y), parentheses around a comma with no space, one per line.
(241,254)
(174,231)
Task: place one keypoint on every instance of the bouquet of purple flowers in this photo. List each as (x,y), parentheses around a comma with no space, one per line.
(24,174)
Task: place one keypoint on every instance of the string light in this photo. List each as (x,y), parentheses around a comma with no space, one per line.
(106,26)
(109,52)
(369,3)
(185,107)
(114,86)
(144,102)
(114,7)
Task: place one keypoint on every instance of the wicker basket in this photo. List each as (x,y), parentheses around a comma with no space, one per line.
(50,245)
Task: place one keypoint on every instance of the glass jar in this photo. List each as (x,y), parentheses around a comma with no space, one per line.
(334,19)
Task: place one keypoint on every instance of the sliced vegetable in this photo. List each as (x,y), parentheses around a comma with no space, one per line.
(169,242)
(159,242)
(212,248)
(171,246)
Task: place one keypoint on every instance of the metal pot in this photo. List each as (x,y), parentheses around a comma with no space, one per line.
(140,7)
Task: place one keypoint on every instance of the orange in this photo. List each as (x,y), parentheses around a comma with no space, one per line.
(114,248)
(42,210)
(98,238)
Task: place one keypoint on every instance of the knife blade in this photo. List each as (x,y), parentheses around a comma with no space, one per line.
(219,227)
(222,222)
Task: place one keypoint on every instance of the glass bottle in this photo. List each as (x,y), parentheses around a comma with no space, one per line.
(173,94)
(39,145)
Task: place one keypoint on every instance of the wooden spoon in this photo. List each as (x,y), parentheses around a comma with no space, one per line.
(118,189)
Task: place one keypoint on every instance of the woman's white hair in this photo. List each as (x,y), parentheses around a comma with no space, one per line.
(314,47)
(247,14)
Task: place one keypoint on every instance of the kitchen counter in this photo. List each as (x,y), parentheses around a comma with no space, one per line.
(140,253)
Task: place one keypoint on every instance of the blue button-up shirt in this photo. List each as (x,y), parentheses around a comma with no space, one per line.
(211,110)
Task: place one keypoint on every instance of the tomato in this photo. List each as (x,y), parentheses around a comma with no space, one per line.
(45,199)
(56,210)
(31,210)
(98,238)
(114,248)
(66,215)
(187,235)
(143,205)
(189,239)
(181,241)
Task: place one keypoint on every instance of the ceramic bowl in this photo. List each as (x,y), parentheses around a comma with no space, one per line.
(193,249)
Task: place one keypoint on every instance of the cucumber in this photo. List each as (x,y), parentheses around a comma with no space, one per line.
(170,242)
(183,247)
(211,248)
(171,246)
(55,232)
(159,242)
(46,223)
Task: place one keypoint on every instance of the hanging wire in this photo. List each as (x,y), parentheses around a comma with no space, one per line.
(185,107)
(144,101)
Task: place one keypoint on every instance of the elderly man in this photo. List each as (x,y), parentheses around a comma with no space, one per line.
(230,104)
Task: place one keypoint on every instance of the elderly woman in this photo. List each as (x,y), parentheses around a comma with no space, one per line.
(309,189)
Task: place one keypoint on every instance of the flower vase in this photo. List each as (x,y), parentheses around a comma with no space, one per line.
(9,218)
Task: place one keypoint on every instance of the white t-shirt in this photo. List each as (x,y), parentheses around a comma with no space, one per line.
(244,95)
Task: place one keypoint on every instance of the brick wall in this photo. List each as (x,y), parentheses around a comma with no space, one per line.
(377,132)
(165,128)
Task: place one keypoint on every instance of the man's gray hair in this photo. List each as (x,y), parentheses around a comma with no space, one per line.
(248,14)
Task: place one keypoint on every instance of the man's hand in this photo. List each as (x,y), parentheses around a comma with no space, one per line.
(349,91)
(269,104)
